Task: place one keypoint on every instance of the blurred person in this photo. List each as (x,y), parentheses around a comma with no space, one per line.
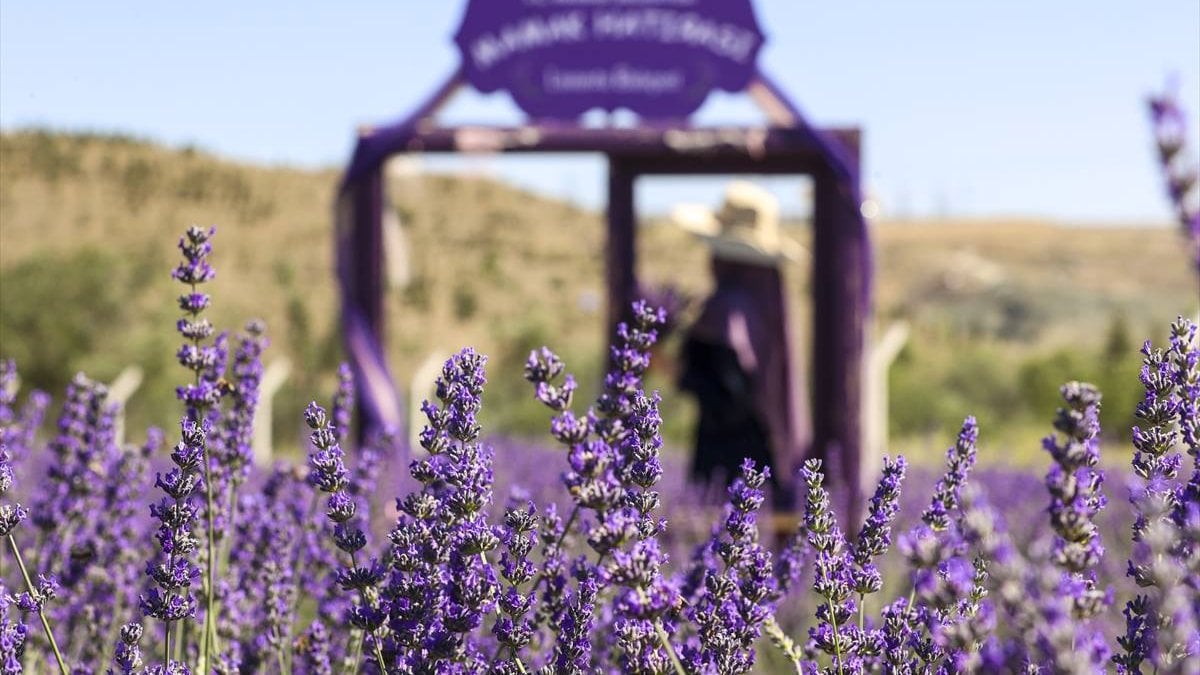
(736,357)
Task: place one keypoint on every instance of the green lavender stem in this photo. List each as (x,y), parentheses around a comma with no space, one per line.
(784,643)
(210,617)
(62,666)
(362,594)
(665,640)
(837,640)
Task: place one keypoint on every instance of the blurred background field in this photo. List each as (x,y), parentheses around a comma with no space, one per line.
(1001,311)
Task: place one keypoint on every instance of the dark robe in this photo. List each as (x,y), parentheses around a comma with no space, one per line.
(737,362)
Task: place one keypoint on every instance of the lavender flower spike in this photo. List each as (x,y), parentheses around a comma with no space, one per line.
(1185,359)
(173,570)
(1170,134)
(959,460)
(128,658)
(927,548)
(876,534)
(329,475)
(203,393)
(13,634)
(1159,627)
(739,598)
(34,598)
(512,629)
(832,578)
(1075,499)
(1074,484)
(573,648)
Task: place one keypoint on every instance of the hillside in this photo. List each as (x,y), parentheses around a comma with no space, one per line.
(87,226)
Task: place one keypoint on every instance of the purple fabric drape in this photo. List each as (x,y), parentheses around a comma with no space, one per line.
(747,312)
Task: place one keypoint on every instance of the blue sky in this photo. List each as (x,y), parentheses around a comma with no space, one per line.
(969,108)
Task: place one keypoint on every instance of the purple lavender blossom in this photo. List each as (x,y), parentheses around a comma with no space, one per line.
(171,668)
(1160,626)
(613,459)
(238,428)
(833,576)
(202,399)
(11,515)
(8,391)
(512,628)
(442,584)
(738,596)
(277,615)
(128,657)
(959,461)
(13,634)
(1074,484)
(1016,592)
(204,392)
(173,570)
(62,502)
(1169,123)
(961,634)
(314,650)
(1185,515)
(1075,498)
(572,650)
(932,549)
(34,598)
(329,475)
(1185,360)
(20,435)
(939,538)
(876,534)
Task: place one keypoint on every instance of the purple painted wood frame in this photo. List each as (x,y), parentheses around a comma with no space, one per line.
(841,283)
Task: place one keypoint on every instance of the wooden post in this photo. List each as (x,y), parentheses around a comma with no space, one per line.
(369,251)
(840,274)
(621,252)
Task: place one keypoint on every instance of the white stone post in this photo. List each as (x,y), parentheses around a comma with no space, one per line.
(119,392)
(273,378)
(395,250)
(875,408)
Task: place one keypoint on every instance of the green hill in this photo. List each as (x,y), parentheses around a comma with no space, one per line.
(87,226)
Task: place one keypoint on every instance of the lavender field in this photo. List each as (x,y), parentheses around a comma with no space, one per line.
(599,337)
(585,552)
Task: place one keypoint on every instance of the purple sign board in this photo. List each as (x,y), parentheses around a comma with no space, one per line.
(561,58)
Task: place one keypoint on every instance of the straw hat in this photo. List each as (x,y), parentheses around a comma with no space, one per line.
(745,228)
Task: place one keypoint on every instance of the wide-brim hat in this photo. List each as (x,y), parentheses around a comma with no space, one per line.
(745,228)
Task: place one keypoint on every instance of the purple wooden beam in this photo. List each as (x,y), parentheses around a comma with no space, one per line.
(756,144)
(840,283)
